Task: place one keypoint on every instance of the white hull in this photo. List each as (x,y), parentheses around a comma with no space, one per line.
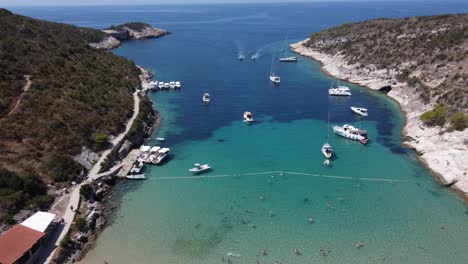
(136,177)
(351,132)
(340,91)
(288,59)
(200,169)
(275,79)
(359,110)
(327,150)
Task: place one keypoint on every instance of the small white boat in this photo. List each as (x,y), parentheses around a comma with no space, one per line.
(167,85)
(154,83)
(177,84)
(206,97)
(137,167)
(136,177)
(161,85)
(359,110)
(172,85)
(160,139)
(340,91)
(248,117)
(255,56)
(275,79)
(200,168)
(351,132)
(327,150)
(161,155)
(241,56)
(288,59)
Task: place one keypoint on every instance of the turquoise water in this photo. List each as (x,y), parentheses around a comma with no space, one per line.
(268,178)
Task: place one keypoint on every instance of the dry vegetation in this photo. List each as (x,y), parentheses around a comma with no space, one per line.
(429,53)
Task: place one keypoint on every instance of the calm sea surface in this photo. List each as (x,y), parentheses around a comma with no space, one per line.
(268,177)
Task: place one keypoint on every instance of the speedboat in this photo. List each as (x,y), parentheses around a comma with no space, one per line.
(161,155)
(288,59)
(327,150)
(206,97)
(248,117)
(351,132)
(136,177)
(200,168)
(359,110)
(137,167)
(160,139)
(177,84)
(172,85)
(275,79)
(340,91)
(167,85)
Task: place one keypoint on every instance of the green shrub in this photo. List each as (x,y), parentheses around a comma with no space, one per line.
(65,242)
(63,168)
(435,117)
(80,224)
(86,190)
(459,121)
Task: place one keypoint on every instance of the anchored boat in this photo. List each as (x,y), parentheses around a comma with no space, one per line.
(273,77)
(341,90)
(327,149)
(161,155)
(206,97)
(136,177)
(359,110)
(248,117)
(200,168)
(351,132)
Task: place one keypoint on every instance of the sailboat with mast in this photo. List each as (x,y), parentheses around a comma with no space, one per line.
(273,77)
(327,149)
(287,59)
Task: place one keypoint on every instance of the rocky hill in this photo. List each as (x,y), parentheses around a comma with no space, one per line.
(423,62)
(57,95)
(125,32)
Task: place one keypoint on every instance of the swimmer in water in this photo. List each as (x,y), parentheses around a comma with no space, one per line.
(297,251)
(264,252)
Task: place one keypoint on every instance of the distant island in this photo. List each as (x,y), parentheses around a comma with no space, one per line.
(422,63)
(62,103)
(128,31)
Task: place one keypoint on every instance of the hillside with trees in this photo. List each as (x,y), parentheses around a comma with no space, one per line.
(57,94)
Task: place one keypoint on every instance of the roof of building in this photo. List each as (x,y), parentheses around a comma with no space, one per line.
(39,221)
(17,241)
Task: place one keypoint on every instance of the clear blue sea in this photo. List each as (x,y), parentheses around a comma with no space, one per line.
(268,178)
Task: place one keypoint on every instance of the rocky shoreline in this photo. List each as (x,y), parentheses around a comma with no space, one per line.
(118,34)
(444,153)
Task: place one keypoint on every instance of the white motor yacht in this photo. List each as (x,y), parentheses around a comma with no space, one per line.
(161,85)
(206,97)
(351,132)
(177,84)
(136,168)
(359,110)
(172,85)
(275,79)
(161,155)
(288,59)
(167,85)
(200,168)
(248,117)
(136,177)
(340,91)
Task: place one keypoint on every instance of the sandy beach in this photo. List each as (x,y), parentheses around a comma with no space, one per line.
(445,154)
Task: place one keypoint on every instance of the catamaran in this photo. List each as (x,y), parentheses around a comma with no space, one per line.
(341,90)
(206,97)
(200,168)
(351,132)
(359,110)
(248,117)
(273,77)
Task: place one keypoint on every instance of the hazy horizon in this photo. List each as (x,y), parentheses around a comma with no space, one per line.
(4,3)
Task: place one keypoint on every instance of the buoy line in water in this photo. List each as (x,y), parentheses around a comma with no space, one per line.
(281,173)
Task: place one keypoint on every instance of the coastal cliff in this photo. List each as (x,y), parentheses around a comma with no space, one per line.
(115,35)
(422,63)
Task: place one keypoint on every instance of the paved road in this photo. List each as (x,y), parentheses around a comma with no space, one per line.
(74,201)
